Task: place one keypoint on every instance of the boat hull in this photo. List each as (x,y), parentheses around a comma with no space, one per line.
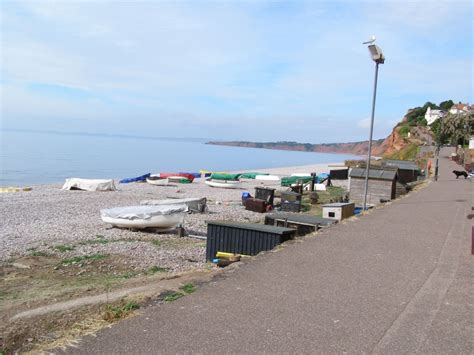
(158,222)
(225,184)
(158,182)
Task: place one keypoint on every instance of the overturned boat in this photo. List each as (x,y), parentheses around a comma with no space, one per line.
(141,178)
(198,205)
(157,180)
(89,184)
(146,216)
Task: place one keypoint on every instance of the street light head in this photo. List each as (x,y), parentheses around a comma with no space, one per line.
(376,54)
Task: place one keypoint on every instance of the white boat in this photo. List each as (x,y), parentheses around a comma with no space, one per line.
(267,178)
(156,180)
(194,204)
(301,174)
(140,217)
(225,184)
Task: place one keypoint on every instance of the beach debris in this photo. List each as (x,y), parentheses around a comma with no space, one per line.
(15,189)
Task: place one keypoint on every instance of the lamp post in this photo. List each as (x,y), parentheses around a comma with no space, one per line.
(438,147)
(378,57)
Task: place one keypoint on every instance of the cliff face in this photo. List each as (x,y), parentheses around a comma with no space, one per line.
(356,148)
(395,142)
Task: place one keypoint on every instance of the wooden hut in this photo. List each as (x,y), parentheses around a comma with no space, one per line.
(408,171)
(381,187)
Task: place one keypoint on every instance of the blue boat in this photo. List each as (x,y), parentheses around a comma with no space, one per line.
(135,179)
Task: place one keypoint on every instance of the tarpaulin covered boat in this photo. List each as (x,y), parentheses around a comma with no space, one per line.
(194,204)
(226,184)
(139,217)
(225,176)
(252,175)
(89,184)
(135,179)
(188,176)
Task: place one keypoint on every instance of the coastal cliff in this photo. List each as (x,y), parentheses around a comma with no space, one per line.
(400,143)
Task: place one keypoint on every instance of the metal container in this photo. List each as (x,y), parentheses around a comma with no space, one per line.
(290,201)
(243,238)
(339,174)
(266,194)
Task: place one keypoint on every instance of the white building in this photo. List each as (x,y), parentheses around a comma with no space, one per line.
(432,115)
(459,108)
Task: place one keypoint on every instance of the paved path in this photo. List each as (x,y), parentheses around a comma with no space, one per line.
(399,280)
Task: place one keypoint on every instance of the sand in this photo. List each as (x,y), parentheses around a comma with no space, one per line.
(40,220)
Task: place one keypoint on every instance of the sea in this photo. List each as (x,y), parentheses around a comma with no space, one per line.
(35,157)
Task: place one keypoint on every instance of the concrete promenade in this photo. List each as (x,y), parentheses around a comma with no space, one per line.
(396,281)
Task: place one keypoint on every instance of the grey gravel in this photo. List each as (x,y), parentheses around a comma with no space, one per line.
(47,216)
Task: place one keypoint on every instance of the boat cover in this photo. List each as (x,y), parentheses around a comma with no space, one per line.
(135,179)
(290,180)
(196,175)
(143,212)
(225,176)
(251,175)
(89,184)
(194,204)
(190,177)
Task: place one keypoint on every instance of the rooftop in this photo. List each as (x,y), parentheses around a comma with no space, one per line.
(380,174)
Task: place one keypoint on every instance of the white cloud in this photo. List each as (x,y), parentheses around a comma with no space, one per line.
(272,63)
(364,123)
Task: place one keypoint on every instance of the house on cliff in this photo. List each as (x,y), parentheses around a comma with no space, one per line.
(432,115)
(459,108)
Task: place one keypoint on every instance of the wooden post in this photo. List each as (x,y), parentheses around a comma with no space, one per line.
(313,177)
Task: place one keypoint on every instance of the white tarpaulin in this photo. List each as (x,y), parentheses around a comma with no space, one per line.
(142,212)
(194,204)
(89,184)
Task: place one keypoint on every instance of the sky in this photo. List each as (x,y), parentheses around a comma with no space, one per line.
(230,70)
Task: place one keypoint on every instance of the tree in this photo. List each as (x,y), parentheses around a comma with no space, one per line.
(446,105)
(454,129)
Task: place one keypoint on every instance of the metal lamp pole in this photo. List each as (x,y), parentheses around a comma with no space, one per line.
(438,148)
(378,58)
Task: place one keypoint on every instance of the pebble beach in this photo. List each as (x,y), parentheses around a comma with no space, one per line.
(62,223)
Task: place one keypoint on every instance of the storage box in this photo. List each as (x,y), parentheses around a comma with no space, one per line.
(256,205)
(266,194)
(338,211)
(243,238)
(290,202)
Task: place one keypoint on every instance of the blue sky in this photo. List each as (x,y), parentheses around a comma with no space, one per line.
(246,70)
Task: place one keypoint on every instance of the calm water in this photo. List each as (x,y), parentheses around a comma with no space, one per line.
(37,158)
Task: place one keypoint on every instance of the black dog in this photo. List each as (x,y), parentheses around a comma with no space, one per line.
(460,173)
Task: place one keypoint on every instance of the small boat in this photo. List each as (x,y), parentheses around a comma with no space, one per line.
(225,176)
(158,181)
(89,184)
(188,176)
(301,174)
(196,175)
(251,175)
(225,184)
(140,217)
(194,204)
(267,178)
(141,178)
(178,179)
